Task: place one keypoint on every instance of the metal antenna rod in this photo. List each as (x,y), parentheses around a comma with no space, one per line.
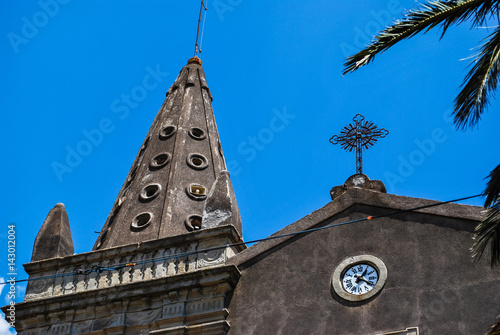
(196,48)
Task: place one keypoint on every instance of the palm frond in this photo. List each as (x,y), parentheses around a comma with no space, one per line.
(495,329)
(488,9)
(430,15)
(479,84)
(488,232)
(492,191)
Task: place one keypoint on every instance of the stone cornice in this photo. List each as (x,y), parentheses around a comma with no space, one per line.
(148,260)
(135,248)
(219,275)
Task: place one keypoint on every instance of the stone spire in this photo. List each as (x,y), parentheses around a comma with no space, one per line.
(54,238)
(178,182)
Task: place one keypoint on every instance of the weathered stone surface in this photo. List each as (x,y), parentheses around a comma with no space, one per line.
(359,180)
(221,207)
(181,157)
(182,276)
(161,252)
(158,292)
(54,238)
(432,283)
(194,302)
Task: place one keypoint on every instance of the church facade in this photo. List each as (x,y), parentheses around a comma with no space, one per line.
(171,259)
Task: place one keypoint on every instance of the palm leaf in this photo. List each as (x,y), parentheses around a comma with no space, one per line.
(480,82)
(495,329)
(432,14)
(492,191)
(488,232)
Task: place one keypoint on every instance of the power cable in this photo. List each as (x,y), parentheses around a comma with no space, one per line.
(99,269)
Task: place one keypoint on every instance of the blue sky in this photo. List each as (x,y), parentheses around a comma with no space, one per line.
(67,65)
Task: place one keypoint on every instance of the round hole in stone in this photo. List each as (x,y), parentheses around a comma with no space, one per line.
(102,239)
(131,176)
(144,146)
(114,212)
(193,222)
(141,221)
(160,160)
(197,133)
(167,132)
(197,161)
(112,219)
(196,191)
(133,173)
(150,192)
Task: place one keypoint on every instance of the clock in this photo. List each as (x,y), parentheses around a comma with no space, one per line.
(359,278)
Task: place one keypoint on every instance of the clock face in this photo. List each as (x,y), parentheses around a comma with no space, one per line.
(359,279)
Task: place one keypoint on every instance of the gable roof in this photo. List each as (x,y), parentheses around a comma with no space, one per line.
(362,198)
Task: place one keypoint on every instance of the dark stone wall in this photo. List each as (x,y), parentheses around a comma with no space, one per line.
(432,281)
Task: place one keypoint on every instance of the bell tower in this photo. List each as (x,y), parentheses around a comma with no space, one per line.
(159,265)
(178,171)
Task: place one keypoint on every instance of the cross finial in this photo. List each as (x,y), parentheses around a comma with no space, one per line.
(361,134)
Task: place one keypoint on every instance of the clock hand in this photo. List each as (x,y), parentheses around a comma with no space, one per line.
(366,281)
(366,269)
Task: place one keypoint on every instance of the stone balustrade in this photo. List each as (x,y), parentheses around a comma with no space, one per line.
(154,259)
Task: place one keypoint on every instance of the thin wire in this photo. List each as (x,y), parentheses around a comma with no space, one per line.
(203,26)
(99,269)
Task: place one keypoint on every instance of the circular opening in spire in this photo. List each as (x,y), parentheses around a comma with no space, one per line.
(132,176)
(160,160)
(141,221)
(114,213)
(102,239)
(193,222)
(196,191)
(197,161)
(197,133)
(150,192)
(167,132)
(144,146)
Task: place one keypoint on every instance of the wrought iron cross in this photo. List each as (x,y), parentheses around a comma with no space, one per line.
(361,134)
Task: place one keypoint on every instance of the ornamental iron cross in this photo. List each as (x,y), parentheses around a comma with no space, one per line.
(361,134)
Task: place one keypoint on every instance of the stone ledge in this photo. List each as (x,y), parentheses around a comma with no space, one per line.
(190,299)
(73,282)
(135,248)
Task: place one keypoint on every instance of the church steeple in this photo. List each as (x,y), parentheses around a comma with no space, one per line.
(178,182)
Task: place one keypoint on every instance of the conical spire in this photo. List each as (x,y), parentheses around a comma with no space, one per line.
(167,187)
(54,238)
